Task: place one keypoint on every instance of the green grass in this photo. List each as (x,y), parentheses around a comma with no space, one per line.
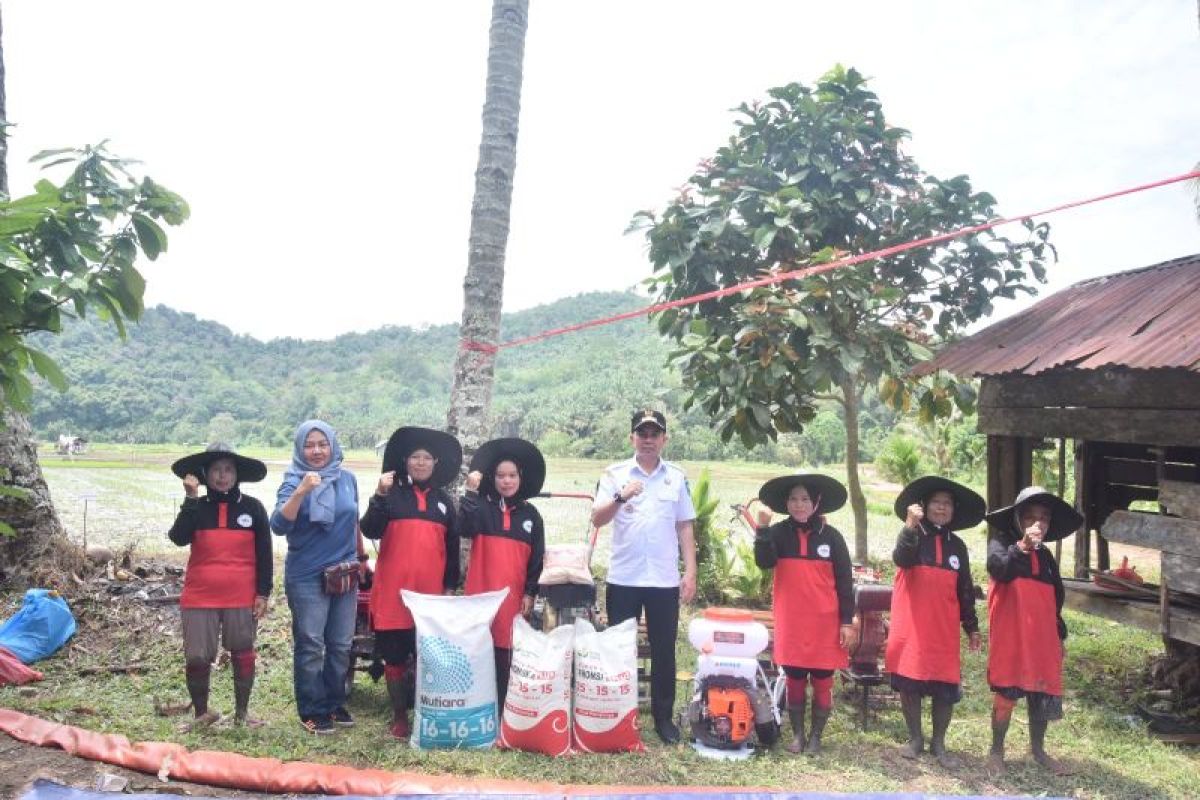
(1115,757)
(1104,666)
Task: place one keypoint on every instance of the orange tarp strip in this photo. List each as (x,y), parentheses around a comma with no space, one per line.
(232,770)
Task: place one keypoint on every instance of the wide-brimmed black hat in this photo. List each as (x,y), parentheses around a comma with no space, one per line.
(526,456)
(441,445)
(1064,519)
(249,470)
(831,492)
(969,507)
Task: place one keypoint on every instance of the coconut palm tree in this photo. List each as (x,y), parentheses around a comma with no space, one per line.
(483,288)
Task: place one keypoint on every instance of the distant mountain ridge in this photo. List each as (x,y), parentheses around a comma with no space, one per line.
(186,380)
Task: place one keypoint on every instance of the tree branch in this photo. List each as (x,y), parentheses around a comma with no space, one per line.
(836,398)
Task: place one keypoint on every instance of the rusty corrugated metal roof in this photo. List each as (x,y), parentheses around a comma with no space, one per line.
(1145,318)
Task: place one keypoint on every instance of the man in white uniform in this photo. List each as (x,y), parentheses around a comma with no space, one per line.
(648,502)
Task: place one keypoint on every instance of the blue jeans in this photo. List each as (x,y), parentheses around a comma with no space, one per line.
(322,631)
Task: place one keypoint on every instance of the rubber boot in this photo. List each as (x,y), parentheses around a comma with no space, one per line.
(398,693)
(796,717)
(943,712)
(819,717)
(1001,717)
(1037,747)
(910,704)
(503,657)
(197,677)
(242,666)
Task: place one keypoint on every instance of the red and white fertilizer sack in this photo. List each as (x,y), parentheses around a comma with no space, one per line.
(537,712)
(456,669)
(606,702)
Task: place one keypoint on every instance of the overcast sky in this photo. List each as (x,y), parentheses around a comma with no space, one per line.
(328,149)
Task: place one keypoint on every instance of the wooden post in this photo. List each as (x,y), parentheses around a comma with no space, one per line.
(1010,468)
(1164,594)
(1062,490)
(1098,469)
(1083,504)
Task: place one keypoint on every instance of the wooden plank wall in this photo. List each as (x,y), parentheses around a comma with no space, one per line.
(1178,540)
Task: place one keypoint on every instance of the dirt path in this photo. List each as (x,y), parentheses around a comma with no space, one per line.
(21,764)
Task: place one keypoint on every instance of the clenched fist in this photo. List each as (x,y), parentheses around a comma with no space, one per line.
(310,481)
(915,515)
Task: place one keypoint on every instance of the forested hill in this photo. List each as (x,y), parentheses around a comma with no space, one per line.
(184,380)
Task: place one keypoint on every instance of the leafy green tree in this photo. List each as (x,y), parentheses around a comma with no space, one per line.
(223,429)
(808,176)
(65,250)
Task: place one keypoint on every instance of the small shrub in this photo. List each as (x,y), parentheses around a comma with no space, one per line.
(900,459)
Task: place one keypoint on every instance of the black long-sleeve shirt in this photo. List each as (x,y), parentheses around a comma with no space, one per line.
(1006,562)
(917,549)
(486,517)
(200,513)
(781,541)
(401,503)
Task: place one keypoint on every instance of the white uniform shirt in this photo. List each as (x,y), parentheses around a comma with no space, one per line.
(645,544)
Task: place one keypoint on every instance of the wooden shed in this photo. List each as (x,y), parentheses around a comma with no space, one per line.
(1113,365)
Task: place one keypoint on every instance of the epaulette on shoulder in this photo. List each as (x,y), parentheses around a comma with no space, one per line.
(672,466)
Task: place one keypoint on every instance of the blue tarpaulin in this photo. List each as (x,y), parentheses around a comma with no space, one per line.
(41,625)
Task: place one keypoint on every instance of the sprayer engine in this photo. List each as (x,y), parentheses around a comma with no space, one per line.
(732,704)
(726,710)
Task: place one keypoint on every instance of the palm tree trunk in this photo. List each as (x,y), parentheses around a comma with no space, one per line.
(483,288)
(858,501)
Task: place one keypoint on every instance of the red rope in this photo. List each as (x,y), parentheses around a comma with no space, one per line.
(484,347)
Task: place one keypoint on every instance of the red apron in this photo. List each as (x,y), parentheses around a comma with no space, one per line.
(220,569)
(412,556)
(923,639)
(806,613)
(499,562)
(1024,650)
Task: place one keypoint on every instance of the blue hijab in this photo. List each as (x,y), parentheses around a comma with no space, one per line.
(321,500)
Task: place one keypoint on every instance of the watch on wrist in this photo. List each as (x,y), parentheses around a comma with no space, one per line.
(618,497)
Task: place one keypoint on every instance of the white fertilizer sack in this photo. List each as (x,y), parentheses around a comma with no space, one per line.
(456,669)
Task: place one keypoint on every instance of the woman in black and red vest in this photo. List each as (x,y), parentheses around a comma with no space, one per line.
(508,540)
(1026,631)
(229,572)
(813,595)
(933,595)
(415,518)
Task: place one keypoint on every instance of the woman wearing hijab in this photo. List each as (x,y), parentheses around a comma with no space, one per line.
(229,573)
(415,518)
(1025,625)
(508,538)
(317,510)
(933,595)
(813,595)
